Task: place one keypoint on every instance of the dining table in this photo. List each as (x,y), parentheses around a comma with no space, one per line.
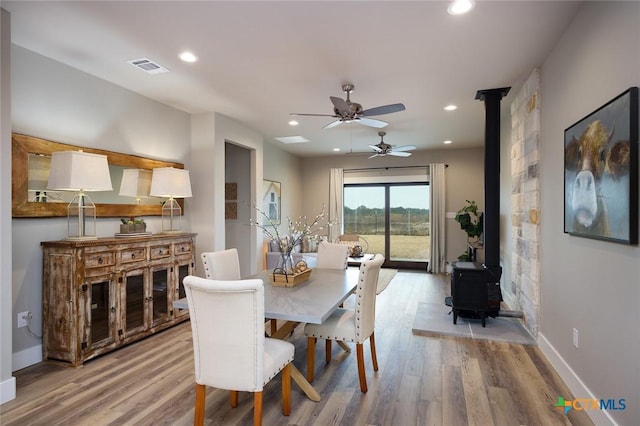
(312,301)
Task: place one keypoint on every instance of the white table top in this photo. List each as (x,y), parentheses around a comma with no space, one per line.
(312,301)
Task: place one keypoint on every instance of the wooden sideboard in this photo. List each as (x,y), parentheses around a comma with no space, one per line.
(99,295)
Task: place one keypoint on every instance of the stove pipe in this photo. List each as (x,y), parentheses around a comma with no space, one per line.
(491,98)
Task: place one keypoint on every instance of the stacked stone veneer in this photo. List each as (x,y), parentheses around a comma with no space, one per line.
(524,288)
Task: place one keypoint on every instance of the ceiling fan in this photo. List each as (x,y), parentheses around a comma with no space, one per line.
(346,111)
(382,148)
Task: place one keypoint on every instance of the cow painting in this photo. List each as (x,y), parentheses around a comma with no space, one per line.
(599,155)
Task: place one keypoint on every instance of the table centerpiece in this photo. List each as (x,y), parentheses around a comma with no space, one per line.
(287,271)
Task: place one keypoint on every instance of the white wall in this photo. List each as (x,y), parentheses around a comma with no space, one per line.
(238,231)
(593,286)
(56,102)
(209,134)
(464,180)
(7,382)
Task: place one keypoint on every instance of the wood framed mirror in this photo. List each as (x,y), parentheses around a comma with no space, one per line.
(29,173)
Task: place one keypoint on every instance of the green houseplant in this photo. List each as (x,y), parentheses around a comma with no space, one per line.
(470,222)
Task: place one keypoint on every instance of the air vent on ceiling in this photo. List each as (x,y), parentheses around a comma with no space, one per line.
(148,66)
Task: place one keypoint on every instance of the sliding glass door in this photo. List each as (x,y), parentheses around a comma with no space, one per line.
(393,218)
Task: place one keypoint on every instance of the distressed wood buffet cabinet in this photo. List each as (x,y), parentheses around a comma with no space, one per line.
(99,295)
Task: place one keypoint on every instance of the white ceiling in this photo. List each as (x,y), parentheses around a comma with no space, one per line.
(261,60)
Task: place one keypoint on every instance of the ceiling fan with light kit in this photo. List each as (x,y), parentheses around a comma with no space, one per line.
(381,149)
(346,111)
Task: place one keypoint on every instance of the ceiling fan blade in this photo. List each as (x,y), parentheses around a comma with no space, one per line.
(403,148)
(399,153)
(372,122)
(385,109)
(377,155)
(332,124)
(375,148)
(341,106)
(312,115)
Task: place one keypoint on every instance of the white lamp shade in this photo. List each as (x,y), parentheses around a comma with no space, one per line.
(78,170)
(170,182)
(135,183)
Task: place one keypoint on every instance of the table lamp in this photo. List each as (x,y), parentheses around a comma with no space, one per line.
(172,183)
(82,172)
(135,183)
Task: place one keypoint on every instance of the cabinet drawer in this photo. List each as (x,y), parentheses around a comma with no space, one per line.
(183,247)
(158,252)
(134,254)
(100,259)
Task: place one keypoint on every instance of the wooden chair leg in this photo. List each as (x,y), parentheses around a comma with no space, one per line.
(327,351)
(311,348)
(286,390)
(201,393)
(257,408)
(374,357)
(234,399)
(361,374)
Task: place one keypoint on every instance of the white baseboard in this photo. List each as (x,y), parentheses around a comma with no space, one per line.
(573,381)
(7,390)
(27,357)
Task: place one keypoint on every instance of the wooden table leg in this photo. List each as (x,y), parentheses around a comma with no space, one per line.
(306,387)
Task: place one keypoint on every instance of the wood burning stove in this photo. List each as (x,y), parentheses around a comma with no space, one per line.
(475,291)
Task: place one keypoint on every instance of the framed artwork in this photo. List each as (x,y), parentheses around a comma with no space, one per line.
(601,172)
(271,200)
(231,210)
(231,191)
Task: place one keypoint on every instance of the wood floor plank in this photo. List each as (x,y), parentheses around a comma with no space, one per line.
(421,380)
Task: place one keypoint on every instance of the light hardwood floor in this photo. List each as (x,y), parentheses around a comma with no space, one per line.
(421,381)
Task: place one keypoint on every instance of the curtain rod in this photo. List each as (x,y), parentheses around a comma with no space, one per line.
(387,168)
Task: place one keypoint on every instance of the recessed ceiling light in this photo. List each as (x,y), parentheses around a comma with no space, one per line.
(292,139)
(293,123)
(460,7)
(450,107)
(336,149)
(447,142)
(188,57)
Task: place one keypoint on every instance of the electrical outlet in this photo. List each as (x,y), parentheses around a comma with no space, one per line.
(23,317)
(575,337)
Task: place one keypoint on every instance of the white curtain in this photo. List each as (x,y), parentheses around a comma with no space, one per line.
(336,202)
(437,259)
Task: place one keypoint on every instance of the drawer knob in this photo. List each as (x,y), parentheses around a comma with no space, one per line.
(100,261)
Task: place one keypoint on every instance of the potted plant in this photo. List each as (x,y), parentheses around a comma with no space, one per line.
(470,221)
(132,225)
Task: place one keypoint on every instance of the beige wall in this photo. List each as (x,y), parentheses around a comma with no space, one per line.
(56,102)
(464,181)
(593,286)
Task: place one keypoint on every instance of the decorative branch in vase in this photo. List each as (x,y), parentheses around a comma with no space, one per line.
(297,231)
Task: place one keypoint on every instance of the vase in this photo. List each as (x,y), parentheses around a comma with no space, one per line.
(285,264)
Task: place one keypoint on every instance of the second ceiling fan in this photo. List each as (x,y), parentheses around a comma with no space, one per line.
(381,148)
(346,111)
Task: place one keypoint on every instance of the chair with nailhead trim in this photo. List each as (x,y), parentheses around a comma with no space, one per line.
(350,325)
(234,355)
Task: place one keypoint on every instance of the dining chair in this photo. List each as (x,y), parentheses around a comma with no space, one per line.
(332,255)
(221,265)
(225,265)
(345,325)
(234,355)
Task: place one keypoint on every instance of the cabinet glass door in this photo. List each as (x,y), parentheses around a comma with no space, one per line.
(160,296)
(134,303)
(98,300)
(183,270)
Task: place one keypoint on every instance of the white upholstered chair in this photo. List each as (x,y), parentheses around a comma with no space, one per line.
(332,255)
(350,325)
(234,355)
(221,265)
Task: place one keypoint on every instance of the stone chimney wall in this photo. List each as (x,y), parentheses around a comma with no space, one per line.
(524,290)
